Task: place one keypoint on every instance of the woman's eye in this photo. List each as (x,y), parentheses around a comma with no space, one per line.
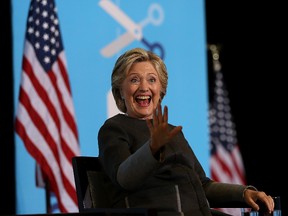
(152,80)
(134,80)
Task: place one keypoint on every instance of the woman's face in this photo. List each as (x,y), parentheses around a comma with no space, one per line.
(141,90)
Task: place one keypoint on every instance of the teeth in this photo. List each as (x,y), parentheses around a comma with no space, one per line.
(143,97)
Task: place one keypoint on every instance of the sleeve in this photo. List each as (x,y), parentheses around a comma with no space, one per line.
(125,169)
(224,192)
(130,176)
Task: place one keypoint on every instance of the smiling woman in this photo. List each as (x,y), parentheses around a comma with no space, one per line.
(141,90)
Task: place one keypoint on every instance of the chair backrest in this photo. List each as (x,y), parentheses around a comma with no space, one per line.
(95,190)
(93,187)
(80,167)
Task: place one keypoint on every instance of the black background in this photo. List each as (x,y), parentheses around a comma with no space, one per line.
(251,37)
(253,57)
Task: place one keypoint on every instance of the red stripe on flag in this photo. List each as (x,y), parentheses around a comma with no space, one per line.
(67,116)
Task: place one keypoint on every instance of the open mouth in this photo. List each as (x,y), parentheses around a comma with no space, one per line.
(143,100)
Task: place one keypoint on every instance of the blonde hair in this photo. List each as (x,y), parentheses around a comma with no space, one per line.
(123,65)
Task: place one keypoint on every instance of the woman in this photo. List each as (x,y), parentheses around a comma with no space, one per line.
(148,159)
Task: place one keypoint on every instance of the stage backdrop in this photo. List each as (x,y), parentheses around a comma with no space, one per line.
(93,39)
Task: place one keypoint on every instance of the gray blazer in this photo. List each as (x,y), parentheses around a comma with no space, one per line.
(176,184)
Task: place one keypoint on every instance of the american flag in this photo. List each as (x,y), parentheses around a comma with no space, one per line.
(45,119)
(226,163)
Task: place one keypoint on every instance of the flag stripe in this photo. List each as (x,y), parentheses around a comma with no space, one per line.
(45,119)
(31,136)
(226,170)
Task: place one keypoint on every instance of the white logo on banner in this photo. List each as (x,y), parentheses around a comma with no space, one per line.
(134,32)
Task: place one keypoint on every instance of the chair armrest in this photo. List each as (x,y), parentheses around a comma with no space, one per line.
(231,204)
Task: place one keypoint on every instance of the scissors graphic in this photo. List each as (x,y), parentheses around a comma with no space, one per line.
(134,30)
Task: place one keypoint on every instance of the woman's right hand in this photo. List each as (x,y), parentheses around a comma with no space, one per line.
(159,130)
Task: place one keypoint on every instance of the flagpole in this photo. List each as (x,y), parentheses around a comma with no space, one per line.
(47,195)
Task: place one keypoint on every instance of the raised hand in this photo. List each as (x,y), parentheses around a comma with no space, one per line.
(159,130)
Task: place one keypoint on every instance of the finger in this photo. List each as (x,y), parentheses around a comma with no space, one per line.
(175,131)
(159,113)
(271,202)
(165,115)
(155,118)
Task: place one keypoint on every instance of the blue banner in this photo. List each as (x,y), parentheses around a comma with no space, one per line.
(94,34)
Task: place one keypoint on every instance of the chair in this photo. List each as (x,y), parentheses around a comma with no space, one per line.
(96,198)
